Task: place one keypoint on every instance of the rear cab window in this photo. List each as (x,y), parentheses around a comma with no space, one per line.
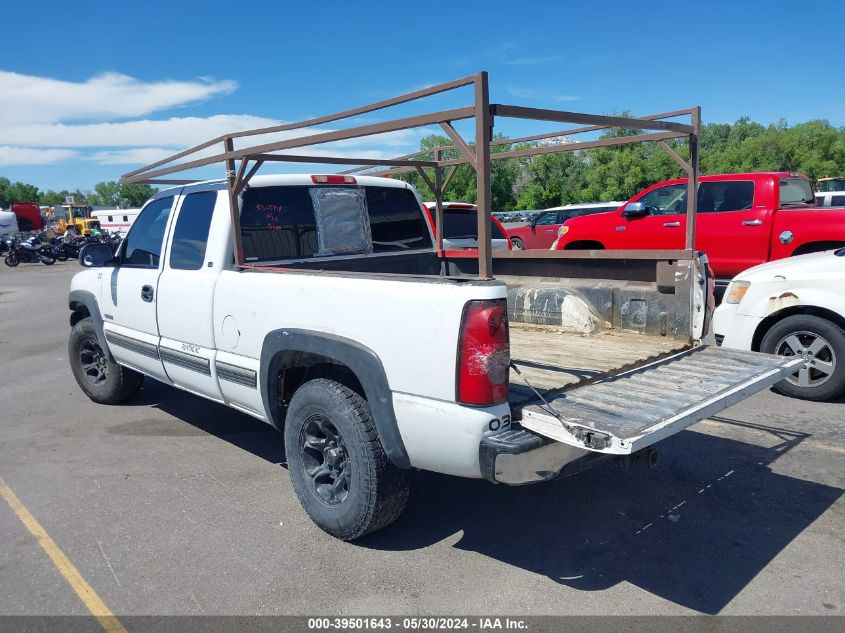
(795,191)
(290,222)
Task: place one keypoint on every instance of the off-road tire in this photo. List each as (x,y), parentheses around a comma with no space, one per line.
(831,333)
(377,490)
(119,384)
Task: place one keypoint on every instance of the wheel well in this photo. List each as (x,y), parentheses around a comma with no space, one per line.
(817,247)
(291,369)
(80,311)
(584,245)
(767,323)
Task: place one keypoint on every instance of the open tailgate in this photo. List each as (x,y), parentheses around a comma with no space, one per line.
(637,408)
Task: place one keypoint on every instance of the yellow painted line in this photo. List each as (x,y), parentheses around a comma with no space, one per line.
(85,592)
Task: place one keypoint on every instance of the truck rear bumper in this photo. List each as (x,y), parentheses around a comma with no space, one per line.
(520,456)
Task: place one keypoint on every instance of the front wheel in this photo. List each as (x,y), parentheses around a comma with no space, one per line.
(821,344)
(338,467)
(101,379)
(12,260)
(517,244)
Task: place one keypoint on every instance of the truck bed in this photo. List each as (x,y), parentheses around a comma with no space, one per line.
(549,358)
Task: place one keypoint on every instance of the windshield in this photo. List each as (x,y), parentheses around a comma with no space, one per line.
(459,225)
(795,191)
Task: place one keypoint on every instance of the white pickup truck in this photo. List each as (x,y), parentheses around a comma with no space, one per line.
(373,352)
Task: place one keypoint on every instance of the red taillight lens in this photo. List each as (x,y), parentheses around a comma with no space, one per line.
(333,180)
(483,353)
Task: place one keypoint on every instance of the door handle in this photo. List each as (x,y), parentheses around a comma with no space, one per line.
(752,222)
(672,225)
(147,293)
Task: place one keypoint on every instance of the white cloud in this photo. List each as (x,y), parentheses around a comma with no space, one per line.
(10,155)
(49,121)
(31,99)
(173,132)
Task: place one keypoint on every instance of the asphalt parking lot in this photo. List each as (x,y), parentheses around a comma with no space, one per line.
(175,505)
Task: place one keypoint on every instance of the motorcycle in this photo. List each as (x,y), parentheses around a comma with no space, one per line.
(6,244)
(67,248)
(31,251)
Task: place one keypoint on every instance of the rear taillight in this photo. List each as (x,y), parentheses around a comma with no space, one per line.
(483,353)
(333,180)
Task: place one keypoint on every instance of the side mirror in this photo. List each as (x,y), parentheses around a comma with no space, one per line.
(96,255)
(635,210)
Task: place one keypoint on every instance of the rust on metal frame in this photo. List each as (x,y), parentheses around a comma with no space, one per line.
(476,154)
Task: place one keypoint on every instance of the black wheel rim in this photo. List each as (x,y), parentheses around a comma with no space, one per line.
(93,362)
(325,460)
(817,352)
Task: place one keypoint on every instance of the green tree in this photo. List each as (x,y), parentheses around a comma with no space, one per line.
(5,199)
(135,195)
(52,198)
(112,194)
(16,192)
(106,194)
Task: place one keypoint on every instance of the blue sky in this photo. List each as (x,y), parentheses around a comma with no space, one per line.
(99,88)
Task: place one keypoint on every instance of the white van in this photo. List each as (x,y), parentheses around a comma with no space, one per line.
(116,220)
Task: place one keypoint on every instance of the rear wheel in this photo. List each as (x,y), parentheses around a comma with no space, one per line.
(821,344)
(101,379)
(338,467)
(517,244)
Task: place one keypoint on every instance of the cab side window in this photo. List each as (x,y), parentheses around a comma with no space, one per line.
(668,200)
(142,247)
(549,217)
(726,195)
(191,232)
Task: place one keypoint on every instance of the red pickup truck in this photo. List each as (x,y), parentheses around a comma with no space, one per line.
(743,220)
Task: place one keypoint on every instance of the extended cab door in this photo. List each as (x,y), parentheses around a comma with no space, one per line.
(128,297)
(195,257)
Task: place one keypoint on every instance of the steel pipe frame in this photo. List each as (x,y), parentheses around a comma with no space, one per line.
(539,137)
(479,158)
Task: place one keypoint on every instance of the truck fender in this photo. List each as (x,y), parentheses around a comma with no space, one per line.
(78,298)
(361,360)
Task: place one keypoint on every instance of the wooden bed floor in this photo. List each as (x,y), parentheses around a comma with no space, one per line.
(550,358)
